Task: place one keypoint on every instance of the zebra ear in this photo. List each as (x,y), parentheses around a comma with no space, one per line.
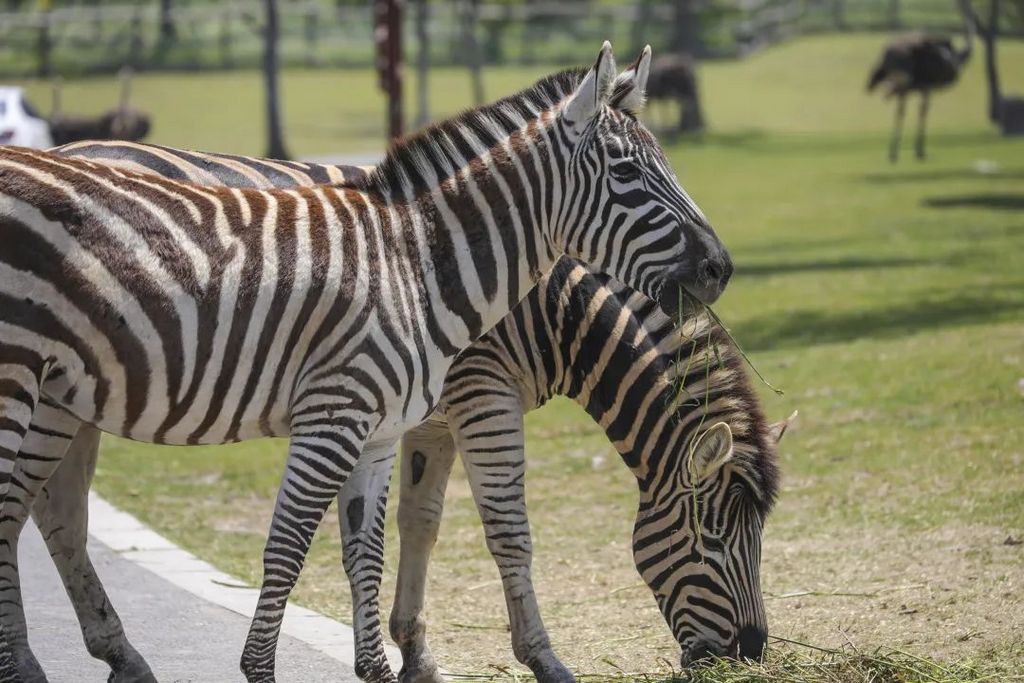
(710,452)
(778,429)
(630,90)
(594,91)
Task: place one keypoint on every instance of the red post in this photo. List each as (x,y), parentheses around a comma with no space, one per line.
(388,38)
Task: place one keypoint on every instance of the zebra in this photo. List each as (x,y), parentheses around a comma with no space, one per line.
(675,403)
(355,301)
(507,376)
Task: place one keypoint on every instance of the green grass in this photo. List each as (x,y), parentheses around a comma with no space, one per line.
(887,301)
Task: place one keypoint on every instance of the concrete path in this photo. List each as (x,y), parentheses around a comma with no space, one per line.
(182,636)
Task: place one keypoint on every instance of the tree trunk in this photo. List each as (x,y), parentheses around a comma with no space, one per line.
(989,34)
(686,29)
(275,135)
(422,63)
(168,32)
(470,13)
(44,46)
(641,25)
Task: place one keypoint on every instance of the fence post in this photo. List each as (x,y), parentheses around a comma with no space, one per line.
(387,34)
(224,39)
(44,44)
(312,18)
(135,41)
(894,14)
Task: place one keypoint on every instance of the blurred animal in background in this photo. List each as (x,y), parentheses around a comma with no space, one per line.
(918,63)
(20,123)
(674,77)
(1006,112)
(122,123)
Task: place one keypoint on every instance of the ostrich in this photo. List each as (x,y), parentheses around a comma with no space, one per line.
(673,77)
(919,63)
(122,123)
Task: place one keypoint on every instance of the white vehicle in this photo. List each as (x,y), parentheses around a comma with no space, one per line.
(20,124)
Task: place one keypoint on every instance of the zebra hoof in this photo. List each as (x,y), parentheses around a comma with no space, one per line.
(132,674)
(547,669)
(377,671)
(424,670)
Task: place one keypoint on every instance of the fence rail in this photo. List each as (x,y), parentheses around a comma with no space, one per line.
(225,35)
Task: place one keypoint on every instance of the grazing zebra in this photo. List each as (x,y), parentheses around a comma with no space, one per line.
(555,342)
(676,404)
(128,300)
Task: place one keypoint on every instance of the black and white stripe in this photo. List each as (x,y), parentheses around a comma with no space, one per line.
(585,336)
(175,313)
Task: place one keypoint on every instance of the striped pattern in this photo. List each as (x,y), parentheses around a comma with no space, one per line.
(585,336)
(655,388)
(175,313)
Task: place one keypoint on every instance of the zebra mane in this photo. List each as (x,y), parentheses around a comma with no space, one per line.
(756,451)
(439,150)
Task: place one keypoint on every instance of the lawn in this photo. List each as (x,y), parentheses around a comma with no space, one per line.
(887,301)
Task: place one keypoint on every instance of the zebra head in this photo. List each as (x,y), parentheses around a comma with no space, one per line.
(697,542)
(625,212)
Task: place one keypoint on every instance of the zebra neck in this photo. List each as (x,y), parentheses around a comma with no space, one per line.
(487,231)
(613,348)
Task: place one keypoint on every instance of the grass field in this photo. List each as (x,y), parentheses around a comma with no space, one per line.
(887,301)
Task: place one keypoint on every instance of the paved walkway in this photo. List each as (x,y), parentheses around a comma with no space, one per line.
(183,637)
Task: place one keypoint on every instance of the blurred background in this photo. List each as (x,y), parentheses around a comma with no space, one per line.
(194,66)
(886,298)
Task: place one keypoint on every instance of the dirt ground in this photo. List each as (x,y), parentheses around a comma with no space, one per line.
(952,593)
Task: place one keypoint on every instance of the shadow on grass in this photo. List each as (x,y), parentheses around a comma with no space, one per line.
(765,269)
(942,174)
(992,200)
(944,309)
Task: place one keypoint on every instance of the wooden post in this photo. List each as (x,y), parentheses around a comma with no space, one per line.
(388,39)
(422,63)
(44,44)
(275,134)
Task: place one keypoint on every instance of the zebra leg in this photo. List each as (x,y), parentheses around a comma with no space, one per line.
(922,115)
(427,456)
(62,515)
(362,503)
(492,452)
(48,437)
(320,458)
(19,394)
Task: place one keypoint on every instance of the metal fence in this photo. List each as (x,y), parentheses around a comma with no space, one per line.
(314,33)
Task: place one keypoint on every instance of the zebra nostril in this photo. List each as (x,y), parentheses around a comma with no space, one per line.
(752,641)
(710,271)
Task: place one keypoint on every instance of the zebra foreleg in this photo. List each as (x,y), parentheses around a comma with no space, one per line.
(362,503)
(62,515)
(48,437)
(320,458)
(492,452)
(427,456)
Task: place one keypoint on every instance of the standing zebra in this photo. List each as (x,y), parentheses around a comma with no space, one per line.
(117,289)
(530,356)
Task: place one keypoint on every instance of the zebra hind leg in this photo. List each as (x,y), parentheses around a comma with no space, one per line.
(362,503)
(61,513)
(428,453)
(42,449)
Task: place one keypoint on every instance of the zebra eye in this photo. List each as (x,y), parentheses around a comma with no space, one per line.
(625,171)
